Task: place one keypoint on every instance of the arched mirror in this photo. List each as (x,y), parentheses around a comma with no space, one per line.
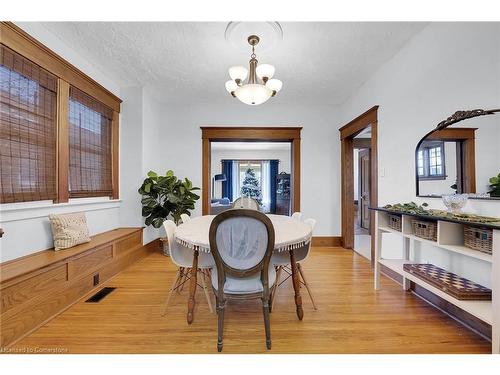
(461,156)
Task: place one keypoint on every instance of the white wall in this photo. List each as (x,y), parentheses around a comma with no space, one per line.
(217,156)
(26,225)
(444,68)
(320,153)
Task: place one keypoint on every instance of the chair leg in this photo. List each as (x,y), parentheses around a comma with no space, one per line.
(204,284)
(220,323)
(276,286)
(307,286)
(183,272)
(174,285)
(267,326)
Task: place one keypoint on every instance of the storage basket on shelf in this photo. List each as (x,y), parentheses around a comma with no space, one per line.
(395,222)
(425,229)
(480,239)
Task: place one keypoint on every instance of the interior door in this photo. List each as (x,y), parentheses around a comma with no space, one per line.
(364,188)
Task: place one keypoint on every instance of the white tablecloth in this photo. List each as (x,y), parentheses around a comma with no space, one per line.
(289,233)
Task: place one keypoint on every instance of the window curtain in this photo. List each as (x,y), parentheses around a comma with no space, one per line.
(227,186)
(236,180)
(266,185)
(273,172)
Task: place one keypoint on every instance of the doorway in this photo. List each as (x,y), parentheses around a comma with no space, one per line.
(290,135)
(359,134)
(362,191)
(259,170)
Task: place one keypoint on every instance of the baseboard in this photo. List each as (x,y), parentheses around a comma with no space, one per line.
(469,321)
(326,241)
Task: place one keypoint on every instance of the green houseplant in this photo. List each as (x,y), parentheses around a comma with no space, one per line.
(164,196)
(495,186)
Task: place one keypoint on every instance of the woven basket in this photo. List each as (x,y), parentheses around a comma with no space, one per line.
(480,239)
(395,222)
(425,229)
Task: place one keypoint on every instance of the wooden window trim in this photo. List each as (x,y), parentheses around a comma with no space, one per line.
(427,176)
(68,75)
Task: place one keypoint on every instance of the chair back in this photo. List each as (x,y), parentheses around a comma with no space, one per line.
(297,215)
(303,252)
(170,227)
(246,202)
(185,218)
(241,242)
(181,255)
(311,223)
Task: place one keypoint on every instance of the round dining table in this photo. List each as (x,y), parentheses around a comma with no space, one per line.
(290,234)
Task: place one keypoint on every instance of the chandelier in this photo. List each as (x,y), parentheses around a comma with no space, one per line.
(260,85)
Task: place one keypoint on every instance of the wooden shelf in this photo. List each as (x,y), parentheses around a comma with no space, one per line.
(480,309)
(460,249)
(467,252)
(390,230)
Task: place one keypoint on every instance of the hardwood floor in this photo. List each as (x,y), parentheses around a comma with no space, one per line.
(352,317)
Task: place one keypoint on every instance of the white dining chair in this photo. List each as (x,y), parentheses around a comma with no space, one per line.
(182,257)
(185,218)
(297,215)
(281,261)
(246,202)
(242,243)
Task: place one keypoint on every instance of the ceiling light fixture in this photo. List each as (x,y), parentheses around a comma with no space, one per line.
(260,85)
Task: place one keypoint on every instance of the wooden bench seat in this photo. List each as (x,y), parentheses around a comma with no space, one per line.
(37,287)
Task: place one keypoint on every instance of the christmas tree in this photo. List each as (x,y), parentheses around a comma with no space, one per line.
(250,186)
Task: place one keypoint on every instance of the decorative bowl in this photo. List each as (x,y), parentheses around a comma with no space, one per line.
(455,202)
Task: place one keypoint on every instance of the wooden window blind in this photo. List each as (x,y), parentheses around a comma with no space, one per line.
(90,129)
(28,110)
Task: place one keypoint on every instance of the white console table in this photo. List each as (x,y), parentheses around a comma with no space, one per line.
(449,238)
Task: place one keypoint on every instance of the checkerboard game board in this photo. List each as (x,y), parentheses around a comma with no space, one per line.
(454,285)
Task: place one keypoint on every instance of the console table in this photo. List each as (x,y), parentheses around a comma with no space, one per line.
(449,238)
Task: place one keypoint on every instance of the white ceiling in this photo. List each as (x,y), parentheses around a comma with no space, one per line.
(318,62)
(250,146)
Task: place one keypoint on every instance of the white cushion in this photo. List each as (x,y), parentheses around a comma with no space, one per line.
(69,230)
(248,285)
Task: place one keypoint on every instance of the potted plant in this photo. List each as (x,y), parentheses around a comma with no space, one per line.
(164,196)
(495,186)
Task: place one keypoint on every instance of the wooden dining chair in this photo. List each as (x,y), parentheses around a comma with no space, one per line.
(297,215)
(246,202)
(242,242)
(281,261)
(185,218)
(182,257)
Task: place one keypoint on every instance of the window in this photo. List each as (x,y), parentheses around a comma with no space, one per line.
(256,166)
(58,127)
(28,102)
(430,161)
(90,124)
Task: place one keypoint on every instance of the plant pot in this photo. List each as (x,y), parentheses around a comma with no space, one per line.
(165,249)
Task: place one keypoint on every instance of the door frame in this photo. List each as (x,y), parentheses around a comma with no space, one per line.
(347,134)
(249,134)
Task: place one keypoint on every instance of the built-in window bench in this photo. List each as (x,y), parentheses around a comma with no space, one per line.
(37,287)
(449,238)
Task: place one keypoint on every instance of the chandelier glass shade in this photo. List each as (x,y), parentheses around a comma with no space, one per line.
(260,86)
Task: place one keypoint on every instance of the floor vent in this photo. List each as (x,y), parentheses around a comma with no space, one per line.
(100,295)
